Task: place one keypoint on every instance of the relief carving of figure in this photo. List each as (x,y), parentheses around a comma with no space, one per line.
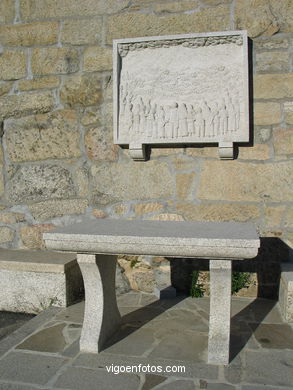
(206,112)
(161,122)
(199,122)
(190,119)
(223,118)
(173,120)
(136,111)
(182,116)
(215,122)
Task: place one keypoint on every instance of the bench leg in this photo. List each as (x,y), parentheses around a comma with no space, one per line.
(101,316)
(220,311)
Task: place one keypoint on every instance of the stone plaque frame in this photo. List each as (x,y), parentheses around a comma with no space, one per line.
(181,89)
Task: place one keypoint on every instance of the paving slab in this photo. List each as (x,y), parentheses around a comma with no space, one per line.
(9,322)
(29,368)
(178,384)
(275,336)
(17,386)
(87,379)
(73,313)
(270,368)
(187,345)
(191,369)
(152,381)
(46,340)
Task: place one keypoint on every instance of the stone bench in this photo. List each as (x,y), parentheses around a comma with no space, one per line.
(97,242)
(31,281)
(286,291)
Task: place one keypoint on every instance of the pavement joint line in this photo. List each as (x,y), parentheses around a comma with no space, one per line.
(33,326)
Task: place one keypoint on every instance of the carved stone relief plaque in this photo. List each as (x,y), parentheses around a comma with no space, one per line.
(181,89)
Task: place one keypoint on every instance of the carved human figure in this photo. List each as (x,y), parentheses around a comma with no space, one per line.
(161,122)
(237,111)
(199,122)
(136,110)
(206,113)
(231,115)
(190,119)
(149,121)
(223,118)
(173,120)
(215,122)
(154,120)
(182,117)
(142,124)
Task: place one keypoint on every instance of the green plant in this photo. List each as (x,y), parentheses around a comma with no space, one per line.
(133,263)
(239,281)
(196,289)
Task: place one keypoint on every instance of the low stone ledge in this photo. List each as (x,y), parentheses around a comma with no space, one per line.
(286,291)
(31,281)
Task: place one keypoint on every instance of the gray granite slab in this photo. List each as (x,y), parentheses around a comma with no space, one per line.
(82,378)
(29,368)
(166,238)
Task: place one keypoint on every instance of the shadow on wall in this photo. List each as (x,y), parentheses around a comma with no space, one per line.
(266,265)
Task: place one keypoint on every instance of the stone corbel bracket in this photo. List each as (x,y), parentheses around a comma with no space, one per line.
(162,94)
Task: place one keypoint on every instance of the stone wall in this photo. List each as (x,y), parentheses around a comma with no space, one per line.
(57,160)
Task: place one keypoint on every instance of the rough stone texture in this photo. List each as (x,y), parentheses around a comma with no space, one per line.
(99,145)
(99,279)
(271,43)
(184,183)
(257,152)
(262,18)
(30,34)
(10,217)
(218,212)
(220,311)
(24,274)
(289,217)
(170,7)
(273,216)
(267,113)
(134,25)
(52,60)
(38,83)
(53,135)
(82,181)
(25,368)
(273,86)
(272,62)
(145,208)
(39,182)
(97,59)
(12,65)
(6,234)
(283,141)
(203,152)
(31,236)
(5,87)
(81,32)
(120,209)
(166,217)
(150,180)
(7,11)
(43,211)
(286,291)
(39,9)
(288,108)
(82,90)
(237,181)
(26,104)
(99,213)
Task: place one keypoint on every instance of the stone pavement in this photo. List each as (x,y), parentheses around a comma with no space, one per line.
(43,353)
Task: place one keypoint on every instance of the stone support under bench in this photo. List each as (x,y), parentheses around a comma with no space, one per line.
(97,242)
